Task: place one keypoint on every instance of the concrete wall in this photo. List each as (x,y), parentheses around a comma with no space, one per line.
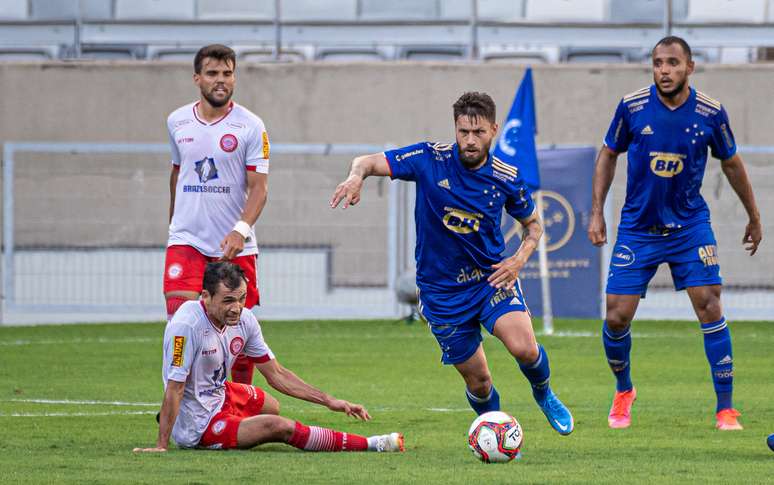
(124,201)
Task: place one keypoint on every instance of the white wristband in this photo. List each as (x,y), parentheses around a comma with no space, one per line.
(242,228)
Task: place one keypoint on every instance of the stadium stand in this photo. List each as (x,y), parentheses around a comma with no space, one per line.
(565,10)
(644,11)
(744,11)
(610,55)
(352,54)
(71,9)
(431,52)
(234,9)
(330,10)
(519,54)
(13,10)
(398,9)
(155,9)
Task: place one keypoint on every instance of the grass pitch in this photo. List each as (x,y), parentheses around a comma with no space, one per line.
(75,400)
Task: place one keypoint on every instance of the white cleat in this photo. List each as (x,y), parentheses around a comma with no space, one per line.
(386,442)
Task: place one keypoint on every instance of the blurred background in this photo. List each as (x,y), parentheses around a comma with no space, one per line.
(87,86)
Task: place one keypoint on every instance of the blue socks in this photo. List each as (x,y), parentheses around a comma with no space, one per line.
(483,405)
(618,346)
(717,347)
(538,373)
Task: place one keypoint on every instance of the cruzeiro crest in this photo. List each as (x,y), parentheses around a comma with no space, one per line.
(206,170)
(558,222)
(510,137)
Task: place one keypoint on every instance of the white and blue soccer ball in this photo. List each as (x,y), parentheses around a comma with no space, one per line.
(495,437)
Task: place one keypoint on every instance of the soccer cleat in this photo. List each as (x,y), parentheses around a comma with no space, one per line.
(558,415)
(726,420)
(386,442)
(621,412)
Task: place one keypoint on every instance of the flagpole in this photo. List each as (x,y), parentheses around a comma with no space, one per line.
(545,281)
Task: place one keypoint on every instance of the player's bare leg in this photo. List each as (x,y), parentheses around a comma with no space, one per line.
(717,347)
(515,331)
(617,340)
(268,428)
(479,390)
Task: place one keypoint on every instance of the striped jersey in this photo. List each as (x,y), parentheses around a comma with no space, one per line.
(667,153)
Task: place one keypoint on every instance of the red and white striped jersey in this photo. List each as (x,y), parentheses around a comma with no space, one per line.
(212,185)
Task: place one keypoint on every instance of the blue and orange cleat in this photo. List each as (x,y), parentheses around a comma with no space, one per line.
(726,420)
(621,412)
(558,415)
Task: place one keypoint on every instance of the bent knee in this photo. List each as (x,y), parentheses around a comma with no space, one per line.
(527,354)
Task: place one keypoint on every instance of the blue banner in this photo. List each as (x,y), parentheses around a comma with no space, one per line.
(516,145)
(574,264)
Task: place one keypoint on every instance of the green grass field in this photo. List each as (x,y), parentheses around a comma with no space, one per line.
(75,400)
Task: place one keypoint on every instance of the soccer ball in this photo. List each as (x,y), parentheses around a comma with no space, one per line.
(495,437)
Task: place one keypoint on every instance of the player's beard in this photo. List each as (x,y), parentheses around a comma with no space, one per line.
(671,94)
(215,102)
(469,162)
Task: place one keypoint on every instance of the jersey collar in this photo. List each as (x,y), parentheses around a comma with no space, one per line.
(196,114)
(688,101)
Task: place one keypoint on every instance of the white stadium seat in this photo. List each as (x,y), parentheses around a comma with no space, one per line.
(350,54)
(235,9)
(70,9)
(13,9)
(566,10)
(498,10)
(398,9)
(747,11)
(155,9)
(526,54)
(318,10)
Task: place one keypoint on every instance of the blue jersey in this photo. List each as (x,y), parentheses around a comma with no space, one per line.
(667,154)
(458,214)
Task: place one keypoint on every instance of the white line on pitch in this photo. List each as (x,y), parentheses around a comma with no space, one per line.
(128,340)
(45,415)
(67,401)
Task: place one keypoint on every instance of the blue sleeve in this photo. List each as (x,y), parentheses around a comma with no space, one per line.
(722,141)
(618,136)
(519,204)
(405,163)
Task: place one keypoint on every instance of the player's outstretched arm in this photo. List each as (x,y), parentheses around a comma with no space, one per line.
(167,417)
(734,170)
(362,167)
(286,382)
(507,271)
(257,193)
(604,171)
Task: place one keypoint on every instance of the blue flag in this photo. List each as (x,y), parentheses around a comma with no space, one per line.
(516,145)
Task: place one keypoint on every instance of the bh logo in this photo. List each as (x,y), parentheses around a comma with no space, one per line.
(460,221)
(206,170)
(666,165)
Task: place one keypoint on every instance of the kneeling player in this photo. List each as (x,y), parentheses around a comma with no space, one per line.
(202,410)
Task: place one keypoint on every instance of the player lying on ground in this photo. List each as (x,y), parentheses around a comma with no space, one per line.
(463,280)
(202,410)
(667,129)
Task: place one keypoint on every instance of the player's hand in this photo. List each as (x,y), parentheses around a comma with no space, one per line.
(597,230)
(150,450)
(348,191)
(354,410)
(753,234)
(231,245)
(506,273)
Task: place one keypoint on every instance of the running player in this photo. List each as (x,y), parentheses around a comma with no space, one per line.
(462,278)
(218,184)
(667,129)
(202,410)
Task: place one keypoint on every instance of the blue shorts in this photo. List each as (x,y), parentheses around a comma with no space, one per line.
(460,336)
(691,254)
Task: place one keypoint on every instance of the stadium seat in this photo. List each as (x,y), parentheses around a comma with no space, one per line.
(645,11)
(724,11)
(13,9)
(519,54)
(70,9)
(606,55)
(29,53)
(565,10)
(398,9)
(300,10)
(770,11)
(351,54)
(155,9)
(112,51)
(235,9)
(265,53)
(497,10)
(172,53)
(433,53)
(737,55)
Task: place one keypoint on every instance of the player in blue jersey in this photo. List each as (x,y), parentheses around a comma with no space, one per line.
(667,130)
(464,281)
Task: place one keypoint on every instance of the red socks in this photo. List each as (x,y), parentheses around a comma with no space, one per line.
(313,438)
(173,303)
(242,370)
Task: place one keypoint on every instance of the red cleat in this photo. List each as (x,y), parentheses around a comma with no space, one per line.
(726,420)
(621,413)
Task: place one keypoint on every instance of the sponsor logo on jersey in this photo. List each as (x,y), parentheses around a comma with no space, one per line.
(174,271)
(460,221)
(501,295)
(468,276)
(400,157)
(177,351)
(180,123)
(445,184)
(236,345)
(705,111)
(235,125)
(228,143)
(637,106)
(219,426)
(726,136)
(647,130)
(209,352)
(708,255)
(265,145)
(185,139)
(666,164)
(622,256)
(206,169)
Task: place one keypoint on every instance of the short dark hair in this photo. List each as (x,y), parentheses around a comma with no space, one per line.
(673,39)
(224,272)
(215,51)
(474,104)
